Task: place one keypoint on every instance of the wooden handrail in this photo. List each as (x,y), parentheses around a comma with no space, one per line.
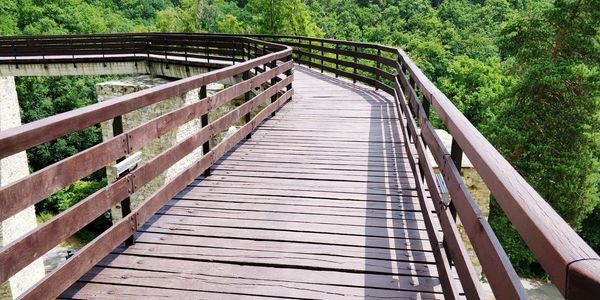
(35,187)
(572,265)
(32,134)
(558,248)
(554,243)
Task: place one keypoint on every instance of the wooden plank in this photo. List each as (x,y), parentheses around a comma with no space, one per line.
(290,189)
(342,221)
(264,276)
(392,166)
(293,221)
(323,250)
(403,205)
(261,146)
(201,284)
(301,182)
(328,146)
(314,173)
(292,236)
(315,155)
(285,257)
(89,290)
(324,166)
(345,208)
(194,191)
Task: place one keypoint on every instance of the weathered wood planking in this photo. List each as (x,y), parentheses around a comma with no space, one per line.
(319,203)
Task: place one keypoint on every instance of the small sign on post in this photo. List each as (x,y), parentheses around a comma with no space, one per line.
(127,164)
(443,188)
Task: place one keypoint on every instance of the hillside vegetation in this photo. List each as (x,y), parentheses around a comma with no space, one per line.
(527,74)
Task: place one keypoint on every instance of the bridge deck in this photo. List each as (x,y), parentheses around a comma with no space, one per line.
(319,203)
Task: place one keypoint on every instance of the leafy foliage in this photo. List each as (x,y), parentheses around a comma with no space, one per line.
(282,16)
(41,97)
(549,127)
(71,195)
(525,73)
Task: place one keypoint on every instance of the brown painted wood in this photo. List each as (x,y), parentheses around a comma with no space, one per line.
(34,133)
(337,129)
(364,211)
(21,194)
(293,221)
(554,243)
(281,255)
(40,240)
(356,225)
(21,252)
(29,190)
(330,279)
(324,250)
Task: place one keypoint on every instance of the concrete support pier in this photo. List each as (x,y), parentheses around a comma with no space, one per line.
(13,168)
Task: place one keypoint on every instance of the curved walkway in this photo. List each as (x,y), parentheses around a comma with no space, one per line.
(324,207)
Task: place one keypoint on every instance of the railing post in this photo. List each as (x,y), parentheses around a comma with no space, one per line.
(233,53)
(426,107)
(207,48)
(103,54)
(337,59)
(117,128)
(14,50)
(300,48)
(204,123)
(273,65)
(164,45)
(456,156)
(289,73)
(186,49)
(148,42)
(378,67)
(72,53)
(322,56)
(247,117)
(355,61)
(245,55)
(310,50)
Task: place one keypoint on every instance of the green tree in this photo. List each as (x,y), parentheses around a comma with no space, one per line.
(475,86)
(549,129)
(42,97)
(283,17)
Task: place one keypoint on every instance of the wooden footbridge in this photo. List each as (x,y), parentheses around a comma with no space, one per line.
(325,192)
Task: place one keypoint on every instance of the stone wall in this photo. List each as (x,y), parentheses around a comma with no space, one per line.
(13,168)
(111,89)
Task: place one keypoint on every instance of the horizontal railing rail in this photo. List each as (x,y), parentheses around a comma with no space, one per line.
(264,65)
(190,48)
(571,264)
(573,267)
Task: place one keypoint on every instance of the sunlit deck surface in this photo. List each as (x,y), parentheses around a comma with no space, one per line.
(319,203)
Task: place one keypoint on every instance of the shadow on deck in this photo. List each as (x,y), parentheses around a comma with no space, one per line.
(324,207)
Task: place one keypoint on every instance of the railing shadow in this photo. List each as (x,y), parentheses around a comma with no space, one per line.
(387,184)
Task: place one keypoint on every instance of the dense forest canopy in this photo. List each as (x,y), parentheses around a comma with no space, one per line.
(527,74)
